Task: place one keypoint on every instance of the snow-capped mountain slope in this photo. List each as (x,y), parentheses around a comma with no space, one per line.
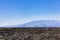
(41,23)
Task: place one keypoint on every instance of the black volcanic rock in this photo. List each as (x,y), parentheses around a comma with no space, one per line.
(30,34)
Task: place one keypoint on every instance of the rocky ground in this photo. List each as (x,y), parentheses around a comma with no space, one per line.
(29,33)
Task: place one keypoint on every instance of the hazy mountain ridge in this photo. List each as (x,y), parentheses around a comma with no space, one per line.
(41,23)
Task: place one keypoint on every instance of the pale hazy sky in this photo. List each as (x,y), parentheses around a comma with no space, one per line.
(21,11)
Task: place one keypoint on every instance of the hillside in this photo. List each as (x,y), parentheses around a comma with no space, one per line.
(30,33)
(40,23)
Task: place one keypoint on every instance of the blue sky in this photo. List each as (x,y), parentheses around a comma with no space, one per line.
(22,11)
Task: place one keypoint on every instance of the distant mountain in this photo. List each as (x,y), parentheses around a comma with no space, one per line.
(40,23)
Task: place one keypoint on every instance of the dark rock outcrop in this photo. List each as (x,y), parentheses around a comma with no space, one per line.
(30,34)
